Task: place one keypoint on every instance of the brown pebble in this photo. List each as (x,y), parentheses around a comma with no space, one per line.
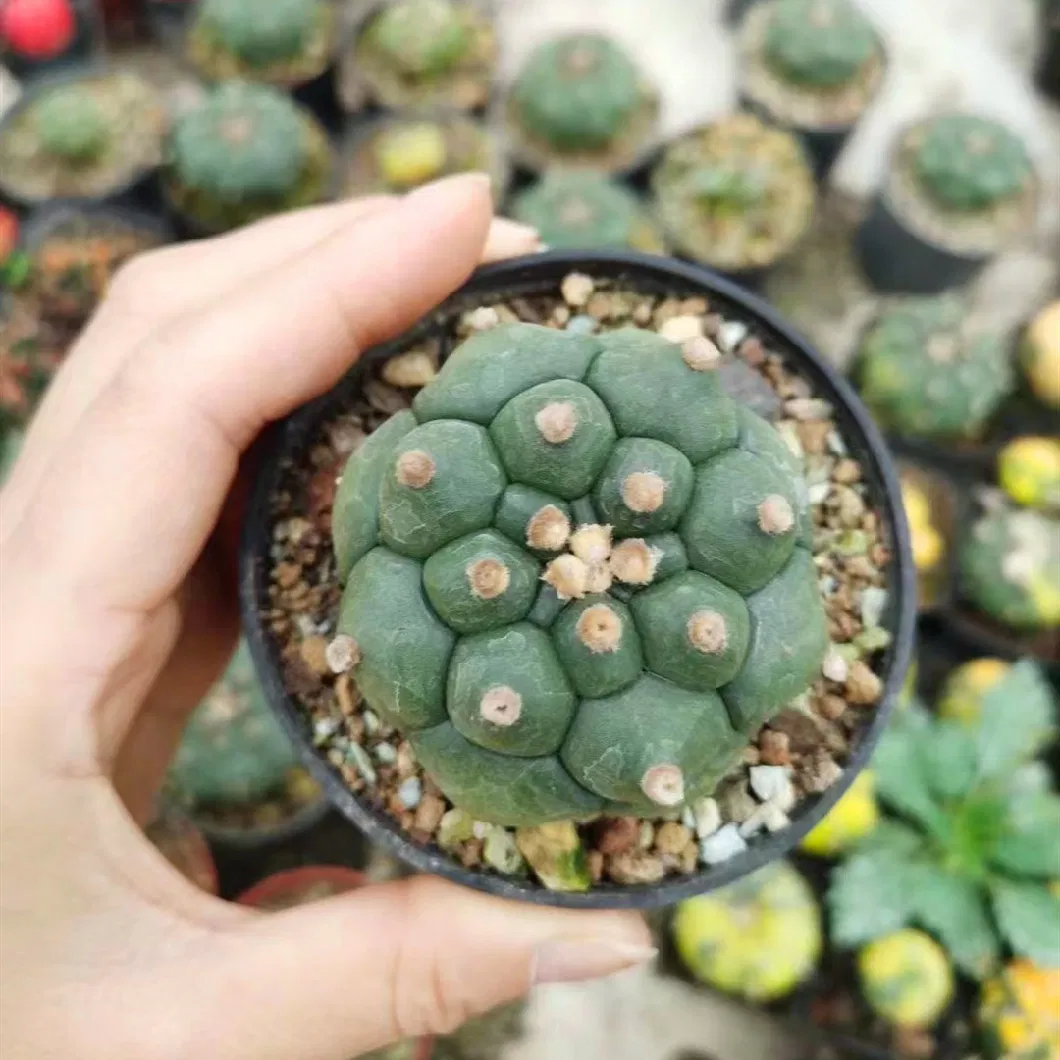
(635,868)
(801,730)
(847,472)
(406,760)
(287,574)
(813,434)
(775,748)
(595,860)
(672,838)
(616,835)
(346,696)
(831,706)
(751,756)
(321,490)
(471,853)
(860,567)
(821,772)
(430,812)
(314,652)
(915,1044)
(689,859)
(863,687)
(712,324)
(752,351)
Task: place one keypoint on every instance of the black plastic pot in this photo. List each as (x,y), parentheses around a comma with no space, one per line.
(736,9)
(85,50)
(898,261)
(140,190)
(538,275)
(1047,75)
(167,20)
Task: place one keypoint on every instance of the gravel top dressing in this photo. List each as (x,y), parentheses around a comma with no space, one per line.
(800,753)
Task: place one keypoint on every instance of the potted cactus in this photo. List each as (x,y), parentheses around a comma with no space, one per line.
(74,251)
(236,773)
(1047,75)
(40,37)
(961,696)
(402,152)
(244,152)
(1018,1013)
(758,939)
(419,54)
(959,189)
(736,195)
(184,847)
(574,209)
(88,136)
(290,44)
(576,580)
(1040,356)
(581,100)
(1028,470)
(812,67)
(931,376)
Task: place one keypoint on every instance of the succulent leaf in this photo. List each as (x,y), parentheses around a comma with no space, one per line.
(1027,914)
(954,909)
(871,895)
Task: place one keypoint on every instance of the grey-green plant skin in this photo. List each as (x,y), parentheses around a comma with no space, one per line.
(1010,568)
(970,836)
(531,703)
(259,33)
(421,38)
(71,126)
(922,376)
(233,751)
(578,93)
(967,163)
(819,43)
(576,209)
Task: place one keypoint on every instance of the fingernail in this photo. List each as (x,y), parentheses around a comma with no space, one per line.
(468,181)
(570,960)
(517,230)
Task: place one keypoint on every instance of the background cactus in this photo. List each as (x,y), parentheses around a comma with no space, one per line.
(968,163)
(595,465)
(1040,356)
(578,93)
(1028,470)
(818,43)
(923,375)
(1019,1014)
(574,208)
(961,698)
(851,820)
(906,978)
(71,125)
(411,154)
(421,38)
(233,750)
(256,33)
(757,939)
(1010,568)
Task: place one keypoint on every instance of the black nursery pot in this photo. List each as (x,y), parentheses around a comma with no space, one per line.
(542,274)
(898,261)
(83,51)
(736,9)
(1047,75)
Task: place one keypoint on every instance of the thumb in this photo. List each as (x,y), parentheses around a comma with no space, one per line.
(330,980)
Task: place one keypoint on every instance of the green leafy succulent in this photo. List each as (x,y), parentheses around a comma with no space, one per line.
(972,836)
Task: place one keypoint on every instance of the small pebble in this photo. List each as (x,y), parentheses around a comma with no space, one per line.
(483,319)
(773,784)
(808,409)
(823,774)
(455,827)
(480,829)
(616,835)
(708,817)
(406,759)
(873,640)
(831,707)
(646,836)
(681,329)
(812,435)
(672,838)
(385,753)
(722,845)
(581,325)
(577,289)
(429,813)
(500,852)
(372,724)
(852,543)
(847,472)
(410,792)
(736,803)
(314,654)
(863,687)
(873,603)
(595,862)
(635,868)
(410,370)
(731,334)
(769,816)
(324,729)
(851,507)
(817,493)
(835,667)
(688,818)
(775,748)
(357,756)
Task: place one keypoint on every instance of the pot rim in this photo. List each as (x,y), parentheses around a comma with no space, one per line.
(526,275)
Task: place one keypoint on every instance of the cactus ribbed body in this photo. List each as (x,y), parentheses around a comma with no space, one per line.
(923,375)
(489,525)
(71,125)
(421,38)
(233,750)
(573,209)
(260,34)
(966,163)
(819,43)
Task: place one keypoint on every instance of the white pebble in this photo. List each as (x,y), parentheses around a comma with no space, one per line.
(577,289)
(372,724)
(386,753)
(708,817)
(724,844)
(835,667)
(410,792)
(768,816)
(500,851)
(731,334)
(873,603)
(681,329)
(818,492)
(483,319)
(479,829)
(357,756)
(324,729)
(772,784)
(688,818)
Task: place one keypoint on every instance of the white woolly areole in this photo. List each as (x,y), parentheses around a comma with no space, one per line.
(488,578)
(591,543)
(775,515)
(634,561)
(664,785)
(343,653)
(569,576)
(700,354)
(501,705)
(548,529)
(557,422)
(644,491)
(415,469)
(707,632)
(599,629)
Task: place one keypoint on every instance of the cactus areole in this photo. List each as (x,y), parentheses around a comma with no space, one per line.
(575,575)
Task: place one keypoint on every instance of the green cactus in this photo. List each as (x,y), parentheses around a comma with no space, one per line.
(818,43)
(259,34)
(578,93)
(233,750)
(1010,568)
(922,375)
(585,462)
(572,209)
(71,125)
(966,163)
(247,151)
(421,38)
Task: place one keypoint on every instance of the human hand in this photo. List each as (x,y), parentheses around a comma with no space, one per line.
(117,543)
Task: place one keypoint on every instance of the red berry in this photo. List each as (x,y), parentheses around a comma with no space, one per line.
(8,233)
(37,29)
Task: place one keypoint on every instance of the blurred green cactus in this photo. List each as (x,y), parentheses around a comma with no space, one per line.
(576,208)
(818,43)
(410,154)
(233,750)
(421,38)
(259,33)
(729,189)
(923,376)
(1010,568)
(71,125)
(450,516)
(578,93)
(969,163)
